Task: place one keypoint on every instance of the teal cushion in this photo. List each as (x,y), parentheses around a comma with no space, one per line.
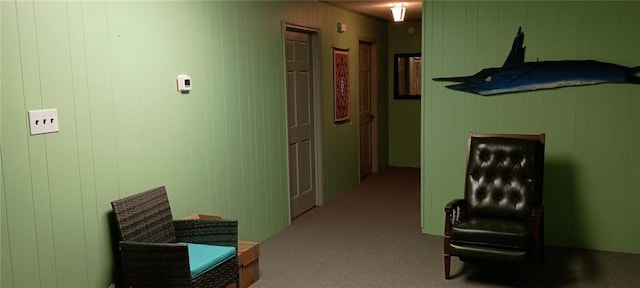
(203,258)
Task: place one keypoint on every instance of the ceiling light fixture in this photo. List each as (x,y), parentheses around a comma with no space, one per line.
(398,10)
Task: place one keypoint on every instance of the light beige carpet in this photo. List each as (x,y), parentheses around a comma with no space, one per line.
(370,237)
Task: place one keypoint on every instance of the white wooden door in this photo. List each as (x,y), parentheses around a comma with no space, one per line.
(366,116)
(300,122)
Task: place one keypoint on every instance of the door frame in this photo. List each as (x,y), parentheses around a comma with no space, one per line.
(317,109)
(374,104)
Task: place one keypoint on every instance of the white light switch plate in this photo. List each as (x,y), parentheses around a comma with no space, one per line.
(43,121)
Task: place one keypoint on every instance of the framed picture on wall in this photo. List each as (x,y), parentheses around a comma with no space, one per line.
(342,100)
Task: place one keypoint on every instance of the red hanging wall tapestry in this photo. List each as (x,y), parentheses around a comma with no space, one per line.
(341,85)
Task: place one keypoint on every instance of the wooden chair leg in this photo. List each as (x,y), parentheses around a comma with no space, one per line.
(447,266)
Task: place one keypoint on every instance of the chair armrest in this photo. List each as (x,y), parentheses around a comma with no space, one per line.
(454,204)
(212,232)
(149,264)
(454,213)
(537,211)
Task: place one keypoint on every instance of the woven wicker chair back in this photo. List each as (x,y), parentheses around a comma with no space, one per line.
(145,217)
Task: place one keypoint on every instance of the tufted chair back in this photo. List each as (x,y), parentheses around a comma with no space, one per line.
(504,176)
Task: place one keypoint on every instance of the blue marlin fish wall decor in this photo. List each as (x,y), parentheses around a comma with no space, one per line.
(519,76)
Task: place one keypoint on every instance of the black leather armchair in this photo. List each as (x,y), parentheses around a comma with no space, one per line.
(501,215)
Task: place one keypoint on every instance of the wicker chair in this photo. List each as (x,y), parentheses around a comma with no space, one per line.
(152,245)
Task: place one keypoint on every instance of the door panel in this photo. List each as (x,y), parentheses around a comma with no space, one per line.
(366,116)
(304,158)
(300,120)
(293,170)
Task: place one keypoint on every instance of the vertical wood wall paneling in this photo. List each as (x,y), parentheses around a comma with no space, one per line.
(178,60)
(557,197)
(489,55)
(6,271)
(253,160)
(601,123)
(103,159)
(42,249)
(624,119)
(254,136)
(204,176)
(632,236)
(260,200)
(10,47)
(2,199)
(193,59)
(470,50)
(222,132)
(110,70)
(622,116)
(176,125)
(445,64)
(271,104)
(433,91)
(590,130)
(14,205)
(509,109)
(52,41)
(159,107)
(426,88)
(534,27)
(278,140)
(276,158)
(232,72)
(453,42)
(269,130)
(81,113)
(3,223)
(218,181)
(181,122)
(582,133)
(245,114)
(122,34)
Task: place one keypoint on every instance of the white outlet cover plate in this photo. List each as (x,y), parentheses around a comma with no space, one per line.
(43,121)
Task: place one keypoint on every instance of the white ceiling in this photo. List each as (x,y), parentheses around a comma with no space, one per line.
(380,9)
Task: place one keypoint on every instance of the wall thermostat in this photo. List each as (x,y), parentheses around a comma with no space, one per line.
(183,83)
(342,27)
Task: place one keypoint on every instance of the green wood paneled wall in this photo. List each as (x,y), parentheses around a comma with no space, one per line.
(593,132)
(110,68)
(404,115)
